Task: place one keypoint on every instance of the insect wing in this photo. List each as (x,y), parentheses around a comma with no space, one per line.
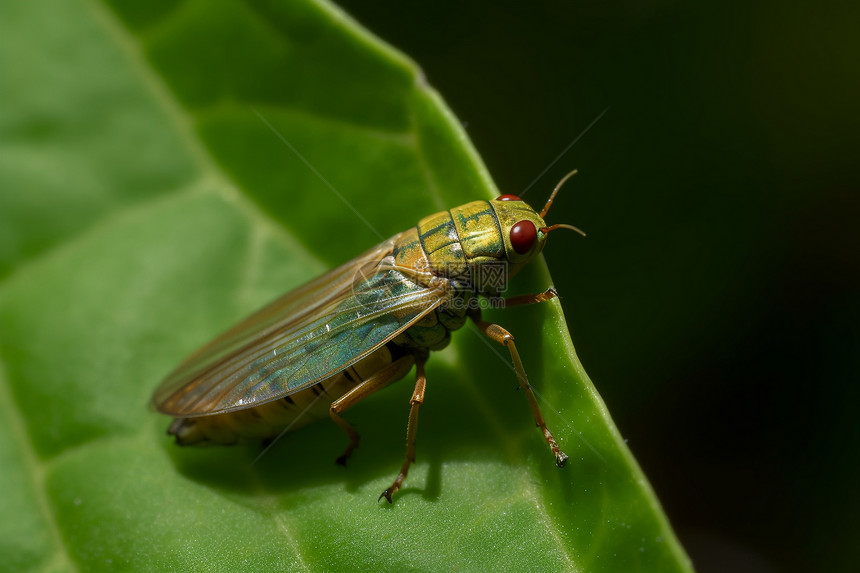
(303,337)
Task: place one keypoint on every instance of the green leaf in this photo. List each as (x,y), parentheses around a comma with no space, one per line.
(166,168)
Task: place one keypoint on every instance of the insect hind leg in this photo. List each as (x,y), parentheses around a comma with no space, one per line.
(411,429)
(377,381)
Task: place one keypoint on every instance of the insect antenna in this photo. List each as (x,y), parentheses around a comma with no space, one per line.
(555,191)
(549,204)
(562,226)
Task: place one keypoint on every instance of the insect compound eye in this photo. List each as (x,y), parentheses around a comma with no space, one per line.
(523,237)
(508,198)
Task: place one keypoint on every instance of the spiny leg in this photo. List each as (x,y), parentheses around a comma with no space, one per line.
(412,428)
(506,339)
(378,381)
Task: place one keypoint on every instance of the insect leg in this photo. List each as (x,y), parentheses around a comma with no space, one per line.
(506,339)
(549,294)
(378,381)
(412,428)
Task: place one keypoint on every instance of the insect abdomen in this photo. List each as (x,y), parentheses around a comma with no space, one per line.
(291,412)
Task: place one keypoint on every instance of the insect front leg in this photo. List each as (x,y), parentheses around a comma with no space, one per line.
(412,428)
(522,299)
(377,381)
(506,339)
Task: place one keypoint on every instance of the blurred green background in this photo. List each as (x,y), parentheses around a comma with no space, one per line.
(715,300)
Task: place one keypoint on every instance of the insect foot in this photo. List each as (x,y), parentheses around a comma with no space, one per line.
(398,481)
(386,494)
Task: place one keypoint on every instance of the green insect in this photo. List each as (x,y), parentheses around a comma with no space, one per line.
(322,348)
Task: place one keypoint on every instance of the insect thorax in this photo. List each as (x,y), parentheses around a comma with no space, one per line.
(464,247)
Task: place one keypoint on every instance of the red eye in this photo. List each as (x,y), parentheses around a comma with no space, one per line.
(508,198)
(523,237)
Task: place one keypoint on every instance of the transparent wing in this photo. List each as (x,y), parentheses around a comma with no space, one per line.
(303,337)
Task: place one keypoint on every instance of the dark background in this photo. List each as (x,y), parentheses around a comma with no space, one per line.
(715,301)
